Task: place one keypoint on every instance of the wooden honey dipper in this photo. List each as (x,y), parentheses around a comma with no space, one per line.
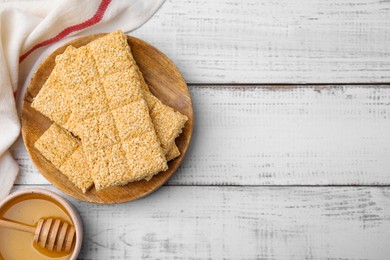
(50,233)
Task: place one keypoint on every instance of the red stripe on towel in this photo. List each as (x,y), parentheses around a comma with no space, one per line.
(97,17)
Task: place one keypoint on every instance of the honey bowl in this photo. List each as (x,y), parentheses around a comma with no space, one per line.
(27,207)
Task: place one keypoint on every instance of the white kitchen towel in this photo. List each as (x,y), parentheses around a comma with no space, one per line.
(27,29)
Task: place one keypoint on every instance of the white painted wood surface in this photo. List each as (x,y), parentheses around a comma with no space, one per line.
(238,194)
(242,223)
(274,41)
(286,136)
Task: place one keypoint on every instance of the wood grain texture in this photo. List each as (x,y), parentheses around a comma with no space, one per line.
(165,82)
(264,135)
(281,136)
(241,223)
(273,41)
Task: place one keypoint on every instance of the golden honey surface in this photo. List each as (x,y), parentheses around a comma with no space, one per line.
(28,209)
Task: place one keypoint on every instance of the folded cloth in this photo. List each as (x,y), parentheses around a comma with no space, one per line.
(27,29)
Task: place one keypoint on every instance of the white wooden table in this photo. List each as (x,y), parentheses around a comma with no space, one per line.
(290,157)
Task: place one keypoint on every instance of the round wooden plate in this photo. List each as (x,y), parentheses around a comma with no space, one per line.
(165,82)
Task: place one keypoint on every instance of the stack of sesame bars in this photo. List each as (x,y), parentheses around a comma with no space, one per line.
(108,128)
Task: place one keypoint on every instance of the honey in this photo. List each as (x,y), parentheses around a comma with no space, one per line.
(28,209)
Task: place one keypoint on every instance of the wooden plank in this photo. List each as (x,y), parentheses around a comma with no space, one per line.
(273,41)
(241,223)
(292,136)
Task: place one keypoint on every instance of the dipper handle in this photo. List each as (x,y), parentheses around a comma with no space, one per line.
(17,226)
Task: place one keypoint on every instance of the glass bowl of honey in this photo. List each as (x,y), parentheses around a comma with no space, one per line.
(27,207)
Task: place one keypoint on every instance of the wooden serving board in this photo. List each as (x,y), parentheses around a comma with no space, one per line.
(165,82)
